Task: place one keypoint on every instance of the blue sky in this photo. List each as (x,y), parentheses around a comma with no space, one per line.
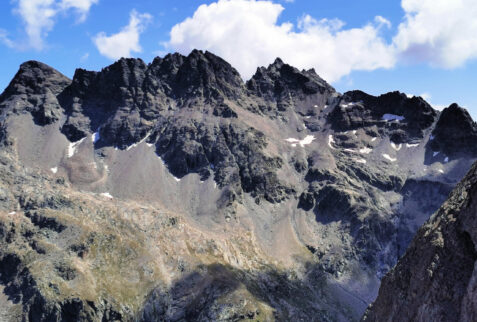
(420,47)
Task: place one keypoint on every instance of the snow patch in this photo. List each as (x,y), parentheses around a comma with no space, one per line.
(431,137)
(54,170)
(446,159)
(345,105)
(292,140)
(307,140)
(12,213)
(396,147)
(72,147)
(373,139)
(354,132)
(434,154)
(307,117)
(107,195)
(388,157)
(365,150)
(331,140)
(177,179)
(95,137)
(316,106)
(412,145)
(136,144)
(363,161)
(392,117)
(441,171)
(350,150)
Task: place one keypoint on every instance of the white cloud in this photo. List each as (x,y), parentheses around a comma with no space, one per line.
(81,6)
(246,33)
(38,17)
(126,41)
(439,32)
(5,39)
(84,57)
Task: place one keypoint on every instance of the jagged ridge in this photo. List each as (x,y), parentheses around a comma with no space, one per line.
(346,179)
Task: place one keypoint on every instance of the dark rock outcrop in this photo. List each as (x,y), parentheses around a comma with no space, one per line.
(281,86)
(436,278)
(360,110)
(35,89)
(455,133)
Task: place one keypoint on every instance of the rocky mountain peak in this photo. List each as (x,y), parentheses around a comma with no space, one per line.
(274,67)
(455,132)
(33,77)
(282,87)
(280,79)
(207,75)
(34,89)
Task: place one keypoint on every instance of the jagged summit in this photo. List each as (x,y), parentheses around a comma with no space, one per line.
(414,115)
(287,86)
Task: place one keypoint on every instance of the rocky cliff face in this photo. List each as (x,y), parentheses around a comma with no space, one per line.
(436,279)
(177,191)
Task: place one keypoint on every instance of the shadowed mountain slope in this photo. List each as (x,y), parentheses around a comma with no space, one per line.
(436,279)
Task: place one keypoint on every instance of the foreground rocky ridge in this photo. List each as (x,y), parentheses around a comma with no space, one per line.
(303,189)
(436,279)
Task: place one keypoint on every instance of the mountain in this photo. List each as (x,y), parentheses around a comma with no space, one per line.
(175,190)
(436,279)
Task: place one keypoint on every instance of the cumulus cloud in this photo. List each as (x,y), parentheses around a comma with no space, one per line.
(247,34)
(439,32)
(80,6)
(126,41)
(38,17)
